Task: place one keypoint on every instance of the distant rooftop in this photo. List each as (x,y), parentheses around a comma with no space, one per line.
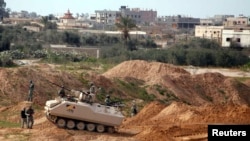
(68,15)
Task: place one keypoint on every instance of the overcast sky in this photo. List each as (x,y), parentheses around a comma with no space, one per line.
(193,8)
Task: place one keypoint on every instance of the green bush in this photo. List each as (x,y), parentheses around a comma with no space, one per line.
(5,59)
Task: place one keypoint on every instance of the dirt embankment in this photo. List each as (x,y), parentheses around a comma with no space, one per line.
(193,89)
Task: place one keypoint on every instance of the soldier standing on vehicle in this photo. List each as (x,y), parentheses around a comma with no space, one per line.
(23,118)
(92,92)
(92,88)
(107,101)
(61,92)
(31,89)
(30,120)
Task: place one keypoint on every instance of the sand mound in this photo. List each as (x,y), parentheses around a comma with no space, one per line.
(150,72)
(192,89)
(179,119)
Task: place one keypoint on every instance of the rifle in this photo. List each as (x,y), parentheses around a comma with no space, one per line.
(58,85)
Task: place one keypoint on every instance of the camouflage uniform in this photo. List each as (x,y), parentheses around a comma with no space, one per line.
(107,100)
(61,93)
(23,118)
(92,92)
(29,113)
(31,89)
(133,110)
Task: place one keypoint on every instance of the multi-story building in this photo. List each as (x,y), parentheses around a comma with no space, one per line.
(180,22)
(219,19)
(240,36)
(138,15)
(236,21)
(237,35)
(106,16)
(207,22)
(209,32)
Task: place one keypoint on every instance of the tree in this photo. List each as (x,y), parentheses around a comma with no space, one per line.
(44,21)
(47,24)
(125,25)
(2,9)
(71,38)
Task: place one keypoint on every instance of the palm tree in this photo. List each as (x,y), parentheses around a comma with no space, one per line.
(125,25)
(44,21)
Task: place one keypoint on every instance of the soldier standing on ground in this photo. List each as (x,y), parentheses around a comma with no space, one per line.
(30,120)
(23,118)
(133,109)
(31,89)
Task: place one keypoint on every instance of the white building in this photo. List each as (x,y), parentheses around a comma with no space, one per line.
(106,16)
(209,32)
(67,20)
(239,36)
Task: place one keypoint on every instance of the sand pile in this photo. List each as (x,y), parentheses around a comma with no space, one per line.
(192,89)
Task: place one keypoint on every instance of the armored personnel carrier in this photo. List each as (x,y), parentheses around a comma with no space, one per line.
(79,114)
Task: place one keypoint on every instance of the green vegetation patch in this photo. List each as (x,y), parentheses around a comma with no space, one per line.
(133,89)
(6,124)
(18,136)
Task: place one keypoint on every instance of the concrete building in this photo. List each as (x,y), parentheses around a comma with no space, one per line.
(209,32)
(219,19)
(180,22)
(106,16)
(207,22)
(109,17)
(239,36)
(236,21)
(139,16)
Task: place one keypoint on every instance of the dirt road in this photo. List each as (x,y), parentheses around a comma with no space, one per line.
(226,72)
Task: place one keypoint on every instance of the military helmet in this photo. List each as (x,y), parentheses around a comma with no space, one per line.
(91,84)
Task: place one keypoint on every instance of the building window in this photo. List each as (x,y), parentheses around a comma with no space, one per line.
(228,39)
(238,40)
